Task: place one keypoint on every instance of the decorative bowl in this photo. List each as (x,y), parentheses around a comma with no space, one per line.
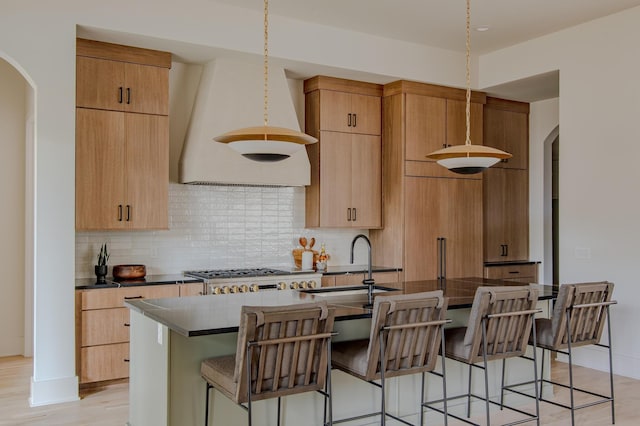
(129,272)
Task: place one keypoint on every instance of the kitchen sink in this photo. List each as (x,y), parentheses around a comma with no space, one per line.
(349,292)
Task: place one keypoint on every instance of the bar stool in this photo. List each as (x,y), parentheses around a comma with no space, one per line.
(281,351)
(499,326)
(406,335)
(578,319)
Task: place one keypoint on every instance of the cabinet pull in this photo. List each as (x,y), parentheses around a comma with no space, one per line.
(355,120)
(506,249)
(354,214)
(133,297)
(514,272)
(128,95)
(349,120)
(349,214)
(126,324)
(128,213)
(120,95)
(119,212)
(126,360)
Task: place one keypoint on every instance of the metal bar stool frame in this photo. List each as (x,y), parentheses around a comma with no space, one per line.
(569,313)
(528,313)
(383,336)
(253,345)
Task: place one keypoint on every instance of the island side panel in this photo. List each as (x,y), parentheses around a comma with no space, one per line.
(148,372)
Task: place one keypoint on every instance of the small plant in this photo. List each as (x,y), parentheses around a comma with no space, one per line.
(103,257)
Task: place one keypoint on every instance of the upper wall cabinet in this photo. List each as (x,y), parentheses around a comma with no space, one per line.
(346,163)
(433,123)
(506,127)
(122,78)
(122,137)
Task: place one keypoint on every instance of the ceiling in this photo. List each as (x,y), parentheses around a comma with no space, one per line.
(436,23)
(441,23)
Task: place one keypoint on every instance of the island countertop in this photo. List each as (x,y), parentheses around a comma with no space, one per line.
(215,314)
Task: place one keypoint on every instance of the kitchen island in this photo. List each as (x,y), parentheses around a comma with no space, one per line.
(171,337)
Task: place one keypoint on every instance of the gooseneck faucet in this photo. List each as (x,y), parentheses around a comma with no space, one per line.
(369,281)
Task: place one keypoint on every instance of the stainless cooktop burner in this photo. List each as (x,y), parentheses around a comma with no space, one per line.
(209,274)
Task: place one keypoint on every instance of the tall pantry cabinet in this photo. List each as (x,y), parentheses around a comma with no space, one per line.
(432,217)
(506,185)
(122,137)
(346,163)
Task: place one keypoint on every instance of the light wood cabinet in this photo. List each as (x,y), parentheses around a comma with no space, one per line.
(506,215)
(346,163)
(444,222)
(433,123)
(122,173)
(191,289)
(122,142)
(120,86)
(523,273)
(506,127)
(432,217)
(506,185)
(102,329)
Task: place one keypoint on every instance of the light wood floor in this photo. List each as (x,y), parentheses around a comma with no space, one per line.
(110,405)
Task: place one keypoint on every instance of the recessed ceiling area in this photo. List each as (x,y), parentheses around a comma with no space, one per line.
(441,23)
(530,89)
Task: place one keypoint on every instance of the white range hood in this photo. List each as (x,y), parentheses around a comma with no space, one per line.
(230,96)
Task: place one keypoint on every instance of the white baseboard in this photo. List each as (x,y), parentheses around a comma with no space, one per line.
(597,358)
(54,391)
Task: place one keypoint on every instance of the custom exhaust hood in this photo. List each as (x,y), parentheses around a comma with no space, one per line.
(230,96)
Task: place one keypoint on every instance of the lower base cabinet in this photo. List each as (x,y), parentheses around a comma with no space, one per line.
(522,273)
(102,329)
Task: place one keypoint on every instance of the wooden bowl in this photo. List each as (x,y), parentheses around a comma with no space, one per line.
(129,272)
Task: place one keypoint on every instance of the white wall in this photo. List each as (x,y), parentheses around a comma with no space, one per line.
(599,208)
(12,210)
(38,38)
(543,121)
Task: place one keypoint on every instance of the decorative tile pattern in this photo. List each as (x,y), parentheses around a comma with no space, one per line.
(219,227)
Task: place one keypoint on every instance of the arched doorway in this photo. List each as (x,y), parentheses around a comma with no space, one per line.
(551,206)
(16,226)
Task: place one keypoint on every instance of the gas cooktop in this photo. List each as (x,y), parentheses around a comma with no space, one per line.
(210,274)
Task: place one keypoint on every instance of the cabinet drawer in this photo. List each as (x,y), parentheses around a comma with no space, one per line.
(115,297)
(104,326)
(514,272)
(191,289)
(105,362)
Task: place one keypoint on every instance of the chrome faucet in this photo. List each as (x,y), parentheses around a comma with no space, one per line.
(369,281)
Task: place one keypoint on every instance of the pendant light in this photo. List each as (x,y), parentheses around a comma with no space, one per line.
(266,143)
(468,158)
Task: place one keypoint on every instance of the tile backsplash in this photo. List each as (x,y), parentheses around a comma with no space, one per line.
(219,227)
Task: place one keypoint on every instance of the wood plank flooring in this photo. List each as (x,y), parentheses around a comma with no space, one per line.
(110,405)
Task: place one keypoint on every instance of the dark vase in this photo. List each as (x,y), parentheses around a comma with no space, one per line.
(101,273)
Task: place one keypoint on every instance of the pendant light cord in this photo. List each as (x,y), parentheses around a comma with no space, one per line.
(266,63)
(468,107)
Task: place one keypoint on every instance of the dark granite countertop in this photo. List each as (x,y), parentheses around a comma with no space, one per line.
(353,269)
(215,314)
(90,283)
